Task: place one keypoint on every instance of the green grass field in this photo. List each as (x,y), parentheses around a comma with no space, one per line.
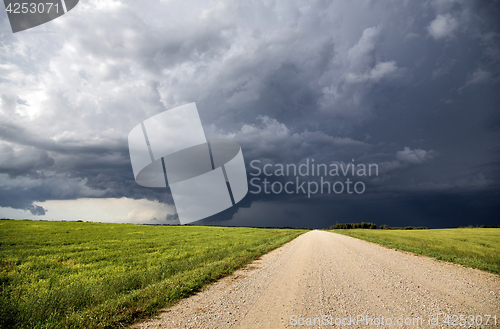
(94,275)
(472,247)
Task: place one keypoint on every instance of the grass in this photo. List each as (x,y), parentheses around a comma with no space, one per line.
(472,247)
(95,275)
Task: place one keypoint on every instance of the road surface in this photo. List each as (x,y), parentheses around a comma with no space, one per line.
(328,280)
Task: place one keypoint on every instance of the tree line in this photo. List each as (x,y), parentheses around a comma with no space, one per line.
(371,226)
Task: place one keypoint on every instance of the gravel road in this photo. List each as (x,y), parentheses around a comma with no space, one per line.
(340,280)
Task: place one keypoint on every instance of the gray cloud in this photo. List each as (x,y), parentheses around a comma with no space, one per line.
(394,84)
(36,210)
(442,27)
(416,156)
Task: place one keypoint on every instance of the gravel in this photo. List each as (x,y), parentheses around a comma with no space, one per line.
(338,278)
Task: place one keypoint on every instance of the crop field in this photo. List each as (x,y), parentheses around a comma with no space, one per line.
(95,275)
(472,247)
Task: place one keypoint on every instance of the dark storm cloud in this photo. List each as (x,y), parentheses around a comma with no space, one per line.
(35,210)
(25,161)
(409,86)
(18,135)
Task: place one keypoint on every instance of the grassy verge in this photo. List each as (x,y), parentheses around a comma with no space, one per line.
(94,275)
(473,247)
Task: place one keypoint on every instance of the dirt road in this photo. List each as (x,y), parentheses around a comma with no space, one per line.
(339,281)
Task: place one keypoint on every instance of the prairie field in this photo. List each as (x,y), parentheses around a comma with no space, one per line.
(97,275)
(473,247)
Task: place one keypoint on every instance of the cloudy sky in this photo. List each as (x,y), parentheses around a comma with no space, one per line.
(412,86)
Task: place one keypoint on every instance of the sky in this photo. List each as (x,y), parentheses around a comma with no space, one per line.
(410,86)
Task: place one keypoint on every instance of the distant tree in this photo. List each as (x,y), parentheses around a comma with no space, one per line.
(347,226)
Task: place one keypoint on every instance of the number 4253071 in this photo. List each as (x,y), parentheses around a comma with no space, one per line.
(32,8)
(471,320)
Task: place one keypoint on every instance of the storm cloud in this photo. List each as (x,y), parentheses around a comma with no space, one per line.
(410,86)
